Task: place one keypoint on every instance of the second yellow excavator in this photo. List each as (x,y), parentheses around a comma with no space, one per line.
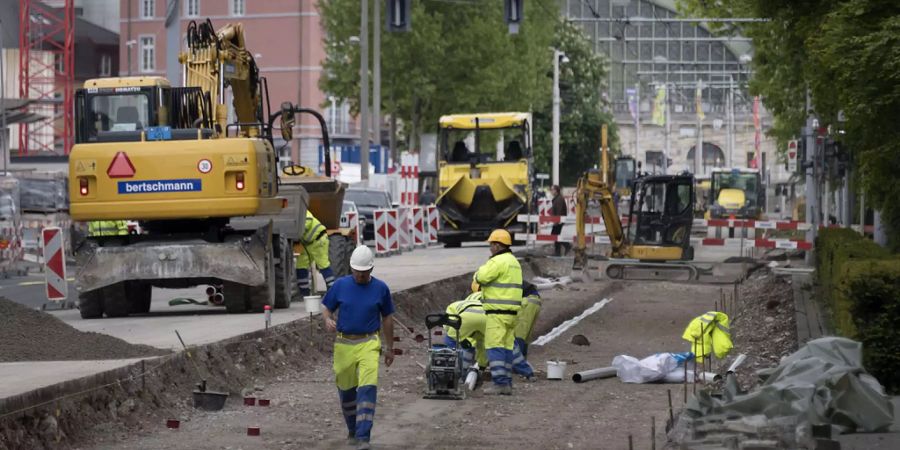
(658,230)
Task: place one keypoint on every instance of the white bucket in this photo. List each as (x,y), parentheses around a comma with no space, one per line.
(556,370)
(312,303)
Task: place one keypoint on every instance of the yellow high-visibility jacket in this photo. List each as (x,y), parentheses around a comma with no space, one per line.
(500,279)
(107,228)
(709,333)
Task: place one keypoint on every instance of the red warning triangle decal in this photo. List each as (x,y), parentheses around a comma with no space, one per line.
(120,167)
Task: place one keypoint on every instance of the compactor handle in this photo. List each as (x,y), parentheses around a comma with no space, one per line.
(436,320)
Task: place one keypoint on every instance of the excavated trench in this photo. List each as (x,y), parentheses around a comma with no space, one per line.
(153,390)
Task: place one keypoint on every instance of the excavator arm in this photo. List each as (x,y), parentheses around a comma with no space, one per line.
(216,59)
(591,187)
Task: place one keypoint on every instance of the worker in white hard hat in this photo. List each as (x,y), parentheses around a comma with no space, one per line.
(358,306)
(500,280)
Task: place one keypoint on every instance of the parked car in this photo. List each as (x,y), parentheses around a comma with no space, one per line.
(367,200)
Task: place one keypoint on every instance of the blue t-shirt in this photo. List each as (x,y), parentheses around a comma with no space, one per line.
(359,306)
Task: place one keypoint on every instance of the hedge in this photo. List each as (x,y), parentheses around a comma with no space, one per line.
(860,283)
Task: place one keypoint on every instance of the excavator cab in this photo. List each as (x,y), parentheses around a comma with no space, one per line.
(661,216)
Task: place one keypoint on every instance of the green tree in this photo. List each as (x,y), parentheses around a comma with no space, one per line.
(583,79)
(847,54)
(459,58)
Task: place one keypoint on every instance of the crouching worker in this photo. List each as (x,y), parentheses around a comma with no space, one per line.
(471,332)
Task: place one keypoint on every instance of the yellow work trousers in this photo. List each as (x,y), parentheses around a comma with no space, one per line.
(317,251)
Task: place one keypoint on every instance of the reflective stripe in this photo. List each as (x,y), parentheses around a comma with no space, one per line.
(494,364)
(309,236)
(367,416)
(518,360)
(474,311)
(501,302)
(503,285)
(349,404)
(534,301)
(343,340)
(723,328)
(364,405)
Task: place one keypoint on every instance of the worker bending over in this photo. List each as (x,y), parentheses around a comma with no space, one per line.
(500,280)
(315,248)
(471,333)
(363,306)
(107,228)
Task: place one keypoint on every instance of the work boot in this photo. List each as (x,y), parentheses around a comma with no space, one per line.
(351,439)
(363,445)
(529,378)
(494,389)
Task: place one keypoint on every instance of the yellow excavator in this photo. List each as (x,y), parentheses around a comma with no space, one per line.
(205,191)
(658,233)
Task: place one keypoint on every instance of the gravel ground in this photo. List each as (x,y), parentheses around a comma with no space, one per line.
(764,326)
(29,335)
(643,318)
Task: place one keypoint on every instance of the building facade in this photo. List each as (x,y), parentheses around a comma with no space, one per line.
(704,78)
(285,37)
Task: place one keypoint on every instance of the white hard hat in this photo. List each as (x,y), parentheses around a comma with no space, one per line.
(362,259)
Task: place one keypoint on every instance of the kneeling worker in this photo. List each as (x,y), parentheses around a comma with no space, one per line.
(471,331)
(315,248)
(363,306)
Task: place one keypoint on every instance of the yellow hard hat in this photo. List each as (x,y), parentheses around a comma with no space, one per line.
(502,236)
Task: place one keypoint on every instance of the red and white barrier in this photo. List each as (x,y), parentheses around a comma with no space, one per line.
(386,240)
(350,219)
(409,179)
(404,225)
(758,224)
(419,233)
(433,223)
(11,251)
(544,205)
(55,263)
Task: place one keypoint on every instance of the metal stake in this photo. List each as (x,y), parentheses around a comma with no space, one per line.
(652,432)
(686,378)
(630,443)
(672,413)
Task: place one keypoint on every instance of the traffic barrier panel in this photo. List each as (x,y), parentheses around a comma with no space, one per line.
(404,225)
(419,235)
(385,232)
(433,223)
(350,219)
(55,266)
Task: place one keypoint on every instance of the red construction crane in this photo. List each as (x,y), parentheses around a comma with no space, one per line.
(47,75)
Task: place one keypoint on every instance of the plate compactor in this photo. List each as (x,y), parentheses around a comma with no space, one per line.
(444,372)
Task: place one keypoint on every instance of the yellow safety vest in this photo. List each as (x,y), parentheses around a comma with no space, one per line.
(709,333)
(473,320)
(107,228)
(314,229)
(528,314)
(500,279)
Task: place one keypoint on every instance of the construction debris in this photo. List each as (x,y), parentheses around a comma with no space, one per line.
(822,384)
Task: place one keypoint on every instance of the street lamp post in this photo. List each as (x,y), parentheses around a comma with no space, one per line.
(557,55)
(364,92)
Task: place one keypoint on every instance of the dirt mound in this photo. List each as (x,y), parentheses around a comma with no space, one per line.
(29,335)
(764,326)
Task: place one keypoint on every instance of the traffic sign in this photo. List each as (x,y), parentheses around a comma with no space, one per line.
(54,263)
(792,155)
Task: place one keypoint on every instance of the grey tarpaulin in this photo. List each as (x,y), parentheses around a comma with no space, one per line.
(823,383)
